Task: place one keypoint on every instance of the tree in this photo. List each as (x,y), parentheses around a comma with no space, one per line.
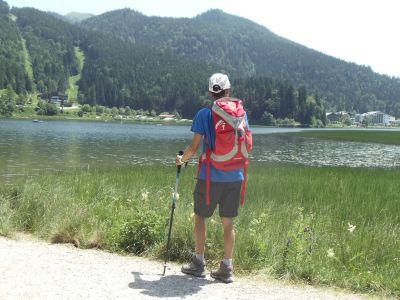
(86,108)
(268,119)
(127,111)
(41,108)
(177,114)
(7,102)
(272,105)
(4,8)
(114,111)
(52,109)
(302,104)
(345,120)
(99,109)
(21,100)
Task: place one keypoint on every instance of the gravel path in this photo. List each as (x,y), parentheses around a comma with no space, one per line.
(31,269)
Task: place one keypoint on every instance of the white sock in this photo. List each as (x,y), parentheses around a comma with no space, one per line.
(227,262)
(200,257)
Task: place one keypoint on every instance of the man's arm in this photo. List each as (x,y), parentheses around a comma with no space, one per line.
(190,150)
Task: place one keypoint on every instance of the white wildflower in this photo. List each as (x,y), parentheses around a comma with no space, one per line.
(175,195)
(145,195)
(351,228)
(330,253)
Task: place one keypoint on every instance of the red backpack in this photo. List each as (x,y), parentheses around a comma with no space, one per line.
(233,141)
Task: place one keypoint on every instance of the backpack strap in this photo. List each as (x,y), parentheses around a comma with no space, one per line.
(206,158)
(208,176)
(199,163)
(244,183)
(235,122)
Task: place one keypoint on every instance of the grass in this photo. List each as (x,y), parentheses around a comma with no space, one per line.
(80,56)
(73,89)
(27,60)
(368,136)
(297,222)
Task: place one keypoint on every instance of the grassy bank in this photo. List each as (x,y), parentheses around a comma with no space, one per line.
(369,136)
(329,226)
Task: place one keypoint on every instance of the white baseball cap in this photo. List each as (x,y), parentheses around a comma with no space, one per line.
(218,82)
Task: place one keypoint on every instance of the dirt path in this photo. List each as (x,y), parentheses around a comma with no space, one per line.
(31,269)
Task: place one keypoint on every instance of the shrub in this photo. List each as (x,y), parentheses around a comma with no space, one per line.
(138,234)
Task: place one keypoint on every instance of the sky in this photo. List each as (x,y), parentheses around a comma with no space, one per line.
(366,32)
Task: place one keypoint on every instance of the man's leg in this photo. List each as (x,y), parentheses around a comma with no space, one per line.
(228,209)
(200,234)
(229,237)
(202,211)
(197,265)
(225,271)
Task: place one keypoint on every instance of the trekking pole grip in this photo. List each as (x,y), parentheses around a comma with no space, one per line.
(179,167)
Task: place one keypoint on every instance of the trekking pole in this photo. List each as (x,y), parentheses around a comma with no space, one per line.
(178,172)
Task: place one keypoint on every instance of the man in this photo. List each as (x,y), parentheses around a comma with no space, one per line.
(223,188)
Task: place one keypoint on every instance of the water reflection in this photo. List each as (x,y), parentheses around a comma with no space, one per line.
(29,148)
(319,152)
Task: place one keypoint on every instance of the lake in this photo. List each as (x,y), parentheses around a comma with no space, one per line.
(28,148)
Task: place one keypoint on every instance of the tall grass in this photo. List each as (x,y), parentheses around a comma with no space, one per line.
(333,226)
(304,225)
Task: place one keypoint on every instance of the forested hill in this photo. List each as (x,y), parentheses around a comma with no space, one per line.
(246,49)
(12,64)
(72,17)
(162,64)
(115,73)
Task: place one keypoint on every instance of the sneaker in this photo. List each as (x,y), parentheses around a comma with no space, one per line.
(224,273)
(195,268)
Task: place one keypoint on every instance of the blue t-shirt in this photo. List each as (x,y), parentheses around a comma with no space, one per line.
(203,124)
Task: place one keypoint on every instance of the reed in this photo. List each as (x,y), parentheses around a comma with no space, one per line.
(330,226)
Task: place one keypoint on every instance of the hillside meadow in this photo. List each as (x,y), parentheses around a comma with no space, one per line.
(324,226)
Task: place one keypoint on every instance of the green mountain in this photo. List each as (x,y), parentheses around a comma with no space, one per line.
(77,17)
(72,17)
(115,73)
(13,72)
(246,49)
(163,64)
(50,43)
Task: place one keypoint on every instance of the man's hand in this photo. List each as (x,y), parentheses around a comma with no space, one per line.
(178,160)
(184,157)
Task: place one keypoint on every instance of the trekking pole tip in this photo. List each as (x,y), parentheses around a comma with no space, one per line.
(165,267)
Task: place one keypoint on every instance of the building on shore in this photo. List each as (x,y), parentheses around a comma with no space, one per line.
(376,118)
(59,99)
(337,117)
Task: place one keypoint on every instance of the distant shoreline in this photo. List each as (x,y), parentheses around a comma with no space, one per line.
(143,119)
